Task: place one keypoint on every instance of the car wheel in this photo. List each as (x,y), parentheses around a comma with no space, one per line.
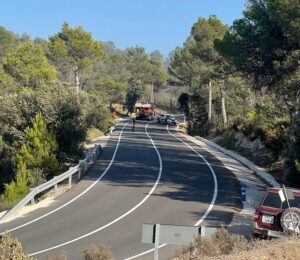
(290,220)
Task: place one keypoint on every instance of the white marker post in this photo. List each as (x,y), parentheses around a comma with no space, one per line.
(157,228)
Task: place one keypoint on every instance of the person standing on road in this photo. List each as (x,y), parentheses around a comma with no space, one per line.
(133,122)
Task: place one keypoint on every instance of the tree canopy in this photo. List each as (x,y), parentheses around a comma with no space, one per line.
(29,66)
(75,49)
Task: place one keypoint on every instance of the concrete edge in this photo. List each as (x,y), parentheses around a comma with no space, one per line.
(269,179)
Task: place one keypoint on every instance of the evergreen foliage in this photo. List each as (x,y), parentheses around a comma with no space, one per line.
(18,188)
(292,166)
(29,66)
(40,148)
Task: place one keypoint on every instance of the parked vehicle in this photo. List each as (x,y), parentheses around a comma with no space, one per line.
(162,119)
(275,217)
(166,119)
(171,120)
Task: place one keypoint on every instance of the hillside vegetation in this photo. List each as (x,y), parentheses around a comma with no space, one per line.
(245,77)
(55,93)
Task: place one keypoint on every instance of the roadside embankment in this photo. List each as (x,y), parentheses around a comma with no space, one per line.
(226,246)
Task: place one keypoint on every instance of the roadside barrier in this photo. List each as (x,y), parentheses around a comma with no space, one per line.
(264,175)
(81,168)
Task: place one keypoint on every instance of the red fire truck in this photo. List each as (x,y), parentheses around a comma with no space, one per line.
(144,110)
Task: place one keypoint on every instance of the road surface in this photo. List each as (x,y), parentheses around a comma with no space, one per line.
(151,175)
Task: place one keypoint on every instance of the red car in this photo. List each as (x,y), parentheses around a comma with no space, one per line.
(273,218)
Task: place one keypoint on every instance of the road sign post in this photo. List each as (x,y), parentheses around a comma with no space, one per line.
(289,196)
(174,235)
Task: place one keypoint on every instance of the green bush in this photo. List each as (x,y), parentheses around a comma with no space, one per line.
(227,141)
(18,188)
(39,150)
(268,124)
(292,166)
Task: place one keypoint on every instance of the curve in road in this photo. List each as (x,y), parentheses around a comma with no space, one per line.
(78,196)
(208,209)
(119,218)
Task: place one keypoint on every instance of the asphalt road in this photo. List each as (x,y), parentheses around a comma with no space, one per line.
(152,175)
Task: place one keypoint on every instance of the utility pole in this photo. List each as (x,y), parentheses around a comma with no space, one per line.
(152,92)
(209,101)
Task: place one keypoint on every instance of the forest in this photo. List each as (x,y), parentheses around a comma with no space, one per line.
(53,92)
(244,77)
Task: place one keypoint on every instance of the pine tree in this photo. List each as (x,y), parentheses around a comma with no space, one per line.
(292,166)
(17,189)
(39,149)
(35,160)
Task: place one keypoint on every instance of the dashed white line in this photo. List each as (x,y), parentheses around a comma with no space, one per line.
(119,218)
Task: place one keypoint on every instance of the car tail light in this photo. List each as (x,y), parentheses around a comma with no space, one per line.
(256,215)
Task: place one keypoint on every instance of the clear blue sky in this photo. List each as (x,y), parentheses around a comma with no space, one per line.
(154,24)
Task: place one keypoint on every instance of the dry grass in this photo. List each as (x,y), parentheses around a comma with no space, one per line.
(100,252)
(11,248)
(234,247)
(93,133)
(119,109)
(6,205)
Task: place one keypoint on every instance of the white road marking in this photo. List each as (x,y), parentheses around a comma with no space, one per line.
(211,203)
(79,195)
(119,218)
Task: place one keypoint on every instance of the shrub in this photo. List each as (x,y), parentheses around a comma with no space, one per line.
(39,148)
(221,243)
(11,248)
(227,141)
(18,188)
(100,252)
(292,173)
(6,205)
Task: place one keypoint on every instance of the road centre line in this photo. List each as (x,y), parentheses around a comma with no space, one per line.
(211,203)
(122,216)
(79,195)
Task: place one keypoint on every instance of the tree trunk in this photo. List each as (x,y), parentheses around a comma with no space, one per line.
(209,101)
(77,81)
(152,92)
(222,91)
(250,98)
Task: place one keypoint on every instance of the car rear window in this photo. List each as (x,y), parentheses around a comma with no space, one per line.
(293,203)
(273,200)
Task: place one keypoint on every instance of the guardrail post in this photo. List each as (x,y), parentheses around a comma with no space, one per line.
(70,182)
(79,173)
(55,190)
(32,201)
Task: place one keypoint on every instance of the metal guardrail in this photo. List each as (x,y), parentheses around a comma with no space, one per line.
(111,129)
(80,169)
